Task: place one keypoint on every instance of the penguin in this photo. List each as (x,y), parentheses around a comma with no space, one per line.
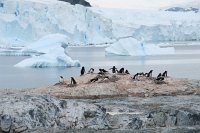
(91,70)
(114,69)
(73,81)
(141,74)
(104,71)
(61,80)
(150,73)
(159,75)
(135,76)
(127,72)
(164,74)
(94,79)
(160,78)
(82,71)
(121,70)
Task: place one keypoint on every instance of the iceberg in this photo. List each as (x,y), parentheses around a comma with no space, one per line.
(133,47)
(49,51)
(47,43)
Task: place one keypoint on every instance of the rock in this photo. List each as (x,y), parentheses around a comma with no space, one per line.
(171,121)
(21,129)
(43,113)
(89,114)
(26,112)
(135,123)
(149,123)
(6,123)
(81,2)
(146,95)
(187,117)
(160,119)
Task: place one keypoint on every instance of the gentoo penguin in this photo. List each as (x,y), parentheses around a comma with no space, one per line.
(82,70)
(164,74)
(159,75)
(73,81)
(104,71)
(135,76)
(121,70)
(114,69)
(94,79)
(91,70)
(150,73)
(127,72)
(61,80)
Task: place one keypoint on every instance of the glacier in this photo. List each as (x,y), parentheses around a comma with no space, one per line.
(133,47)
(24,22)
(49,51)
(29,20)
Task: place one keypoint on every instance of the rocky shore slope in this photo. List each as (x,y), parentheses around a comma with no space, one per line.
(117,104)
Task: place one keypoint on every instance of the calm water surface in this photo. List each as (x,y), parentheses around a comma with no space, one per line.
(185,64)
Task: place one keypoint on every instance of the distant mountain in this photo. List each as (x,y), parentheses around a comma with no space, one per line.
(193,6)
(180,9)
(81,2)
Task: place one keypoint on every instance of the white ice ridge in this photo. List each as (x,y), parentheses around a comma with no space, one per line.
(49,51)
(133,47)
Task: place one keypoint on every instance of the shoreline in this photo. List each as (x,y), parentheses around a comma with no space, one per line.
(116,86)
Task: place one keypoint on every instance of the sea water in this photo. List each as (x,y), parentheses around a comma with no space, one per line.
(185,63)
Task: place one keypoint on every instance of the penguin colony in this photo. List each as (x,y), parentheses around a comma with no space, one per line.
(102,75)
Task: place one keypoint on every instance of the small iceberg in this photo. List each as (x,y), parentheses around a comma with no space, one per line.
(132,47)
(49,51)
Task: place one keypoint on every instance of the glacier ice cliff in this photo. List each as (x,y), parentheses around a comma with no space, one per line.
(30,20)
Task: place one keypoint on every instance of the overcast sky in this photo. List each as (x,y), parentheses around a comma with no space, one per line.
(135,3)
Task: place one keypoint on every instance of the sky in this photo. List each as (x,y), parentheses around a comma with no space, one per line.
(135,4)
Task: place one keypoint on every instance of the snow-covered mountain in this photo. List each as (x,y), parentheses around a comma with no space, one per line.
(81,2)
(193,6)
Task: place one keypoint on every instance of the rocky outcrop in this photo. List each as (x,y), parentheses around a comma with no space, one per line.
(19,113)
(81,2)
(166,113)
(43,113)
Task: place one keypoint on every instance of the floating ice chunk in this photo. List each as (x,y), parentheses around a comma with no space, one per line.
(47,43)
(53,54)
(133,47)
(55,58)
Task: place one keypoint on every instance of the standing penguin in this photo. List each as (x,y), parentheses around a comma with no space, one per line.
(82,71)
(61,80)
(113,69)
(164,74)
(73,81)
